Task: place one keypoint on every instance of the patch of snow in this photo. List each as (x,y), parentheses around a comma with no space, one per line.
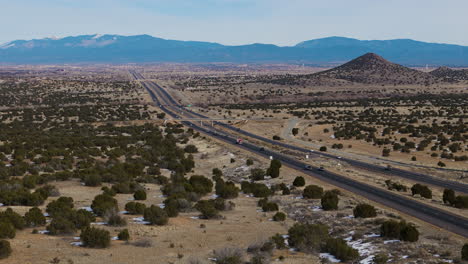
(162,206)
(140,220)
(332,136)
(77,244)
(391,241)
(87,208)
(99,223)
(298,197)
(330,257)
(214,196)
(1,204)
(404,257)
(372,235)
(115,238)
(316,208)
(123,212)
(131,199)
(76,238)
(195,217)
(43,232)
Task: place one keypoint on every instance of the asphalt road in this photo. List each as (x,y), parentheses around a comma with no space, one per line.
(435,216)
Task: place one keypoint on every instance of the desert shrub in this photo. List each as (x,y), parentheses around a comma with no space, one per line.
(380,259)
(286,191)
(124,235)
(201,184)
(260,190)
(217,173)
(422,190)
(279,217)
(323,148)
(312,192)
(341,250)
(139,195)
(113,218)
(257,174)
(59,206)
(409,232)
(34,217)
(449,197)
(12,217)
(364,211)
(207,209)
(135,208)
(270,207)
(103,203)
(329,201)
(155,215)
(108,191)
(307,237)
(464,252)
(299,181)
(5,249)
(126,187)
(228,256)
(226,190)
(191,149)
(274,169)
(82,218)
(249,162)
(92,180)
(95,237)
(276,137)
(399,230)
(61,226)
(7,230)
(278,240)
(172,206)
(461,201)
(395,186)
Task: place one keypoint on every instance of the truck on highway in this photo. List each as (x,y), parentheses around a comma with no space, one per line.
(239,141)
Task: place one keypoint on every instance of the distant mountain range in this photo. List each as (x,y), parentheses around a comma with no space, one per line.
(147,49)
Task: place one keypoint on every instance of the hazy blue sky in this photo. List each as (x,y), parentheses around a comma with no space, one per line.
(282,22)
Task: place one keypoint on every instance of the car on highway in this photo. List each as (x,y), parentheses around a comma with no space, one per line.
(321,168)
(308,167)
(262,149)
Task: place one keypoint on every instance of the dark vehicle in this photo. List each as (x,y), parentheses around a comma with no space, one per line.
(262,149)
(308,167)
(321,168)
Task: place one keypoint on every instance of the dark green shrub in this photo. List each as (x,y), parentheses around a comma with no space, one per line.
(34,217)
(124,235)
(12,217)
(228,256)
(108,191)
(270,207)
(172,207)
(113,218)
(95,237)
(139,195)
(395,186)
(217,173)
(307,237)
(299,181)
(380,259)
(274,169)
(59,206)
(249,162)
(449,197)
(103,203)
(422,190)
(323,148)
(82,218)
(7,230)
(5,249)
(135,208)
(312,192)
(257,174)
(330,201)
(278,240)
(464,252)
(201,184)
(155,215)
(207,209)
(61,226)
(339,248)
(364,211)
(402,230)
(191,149)
(260,190)
(461,201)
(279,217)
(226,190)
(93,180)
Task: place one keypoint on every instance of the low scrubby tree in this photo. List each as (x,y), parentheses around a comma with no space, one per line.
(139,195)
(464,252)
(329,201)
(155,215)
(399,230)
(5,249)
(7,230)
(34,217)
(201,184)
(207,209)
(299,181)
(338,248)
(312,192)
(135,208)
(124,235)
(308,237)
(274,169)
(95,238)
(103,203)
(449,197)
(279,217)
(364,211)
(422,190)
